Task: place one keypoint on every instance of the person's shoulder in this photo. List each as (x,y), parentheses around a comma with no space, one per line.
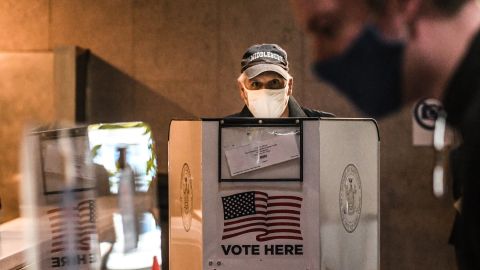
(235,115)
(245,112)
(317,113)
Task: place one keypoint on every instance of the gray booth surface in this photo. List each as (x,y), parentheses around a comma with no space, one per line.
(274,194)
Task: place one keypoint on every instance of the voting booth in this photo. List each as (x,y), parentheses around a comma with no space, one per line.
(289,193)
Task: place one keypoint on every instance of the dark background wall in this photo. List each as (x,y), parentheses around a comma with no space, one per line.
(154,60)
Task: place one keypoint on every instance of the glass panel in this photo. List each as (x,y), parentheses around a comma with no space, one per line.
(107,142)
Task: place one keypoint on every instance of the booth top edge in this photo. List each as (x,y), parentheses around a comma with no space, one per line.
(356,119)
(288,120)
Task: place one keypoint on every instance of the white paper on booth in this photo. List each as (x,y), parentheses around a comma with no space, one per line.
(261,154)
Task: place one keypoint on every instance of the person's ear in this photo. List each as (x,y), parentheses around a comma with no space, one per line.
(290,87)
(409,11)
(243,94)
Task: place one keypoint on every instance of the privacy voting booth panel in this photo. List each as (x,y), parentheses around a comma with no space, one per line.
(274,194)
(59,199)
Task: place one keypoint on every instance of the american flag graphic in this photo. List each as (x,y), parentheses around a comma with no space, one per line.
(81,218)
(271,217)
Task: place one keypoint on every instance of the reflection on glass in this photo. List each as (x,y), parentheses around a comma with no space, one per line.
(136,138)
(125,151)
(147,248)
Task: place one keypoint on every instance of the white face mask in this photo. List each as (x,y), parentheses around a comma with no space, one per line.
(267,103)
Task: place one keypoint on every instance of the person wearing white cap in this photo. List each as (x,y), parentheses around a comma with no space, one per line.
(266,86)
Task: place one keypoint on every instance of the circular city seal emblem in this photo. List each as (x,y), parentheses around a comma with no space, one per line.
(350,198)
(186,197)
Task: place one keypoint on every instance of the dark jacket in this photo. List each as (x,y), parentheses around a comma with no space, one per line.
(462,104)
(294,110)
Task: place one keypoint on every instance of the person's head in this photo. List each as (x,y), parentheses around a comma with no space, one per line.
(264,82)
(397,51)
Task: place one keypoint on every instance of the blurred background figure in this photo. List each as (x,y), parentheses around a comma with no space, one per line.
(125,152)
(128,232)
(358,47)
(383,54)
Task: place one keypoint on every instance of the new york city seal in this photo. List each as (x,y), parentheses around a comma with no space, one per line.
(350,198)
(186,197)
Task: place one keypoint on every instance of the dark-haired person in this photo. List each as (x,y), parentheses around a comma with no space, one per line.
(401,51)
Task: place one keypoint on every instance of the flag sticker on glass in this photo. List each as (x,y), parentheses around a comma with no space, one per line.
(260,154)
(267,217)
(72,227)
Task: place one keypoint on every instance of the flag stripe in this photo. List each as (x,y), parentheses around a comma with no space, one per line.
(244,226)
(283,224)
(283,211)
(281,237)
(244,232)
(284,204)
(63,249)
(80,220)
(285,197)
(244,220)
(283,231)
